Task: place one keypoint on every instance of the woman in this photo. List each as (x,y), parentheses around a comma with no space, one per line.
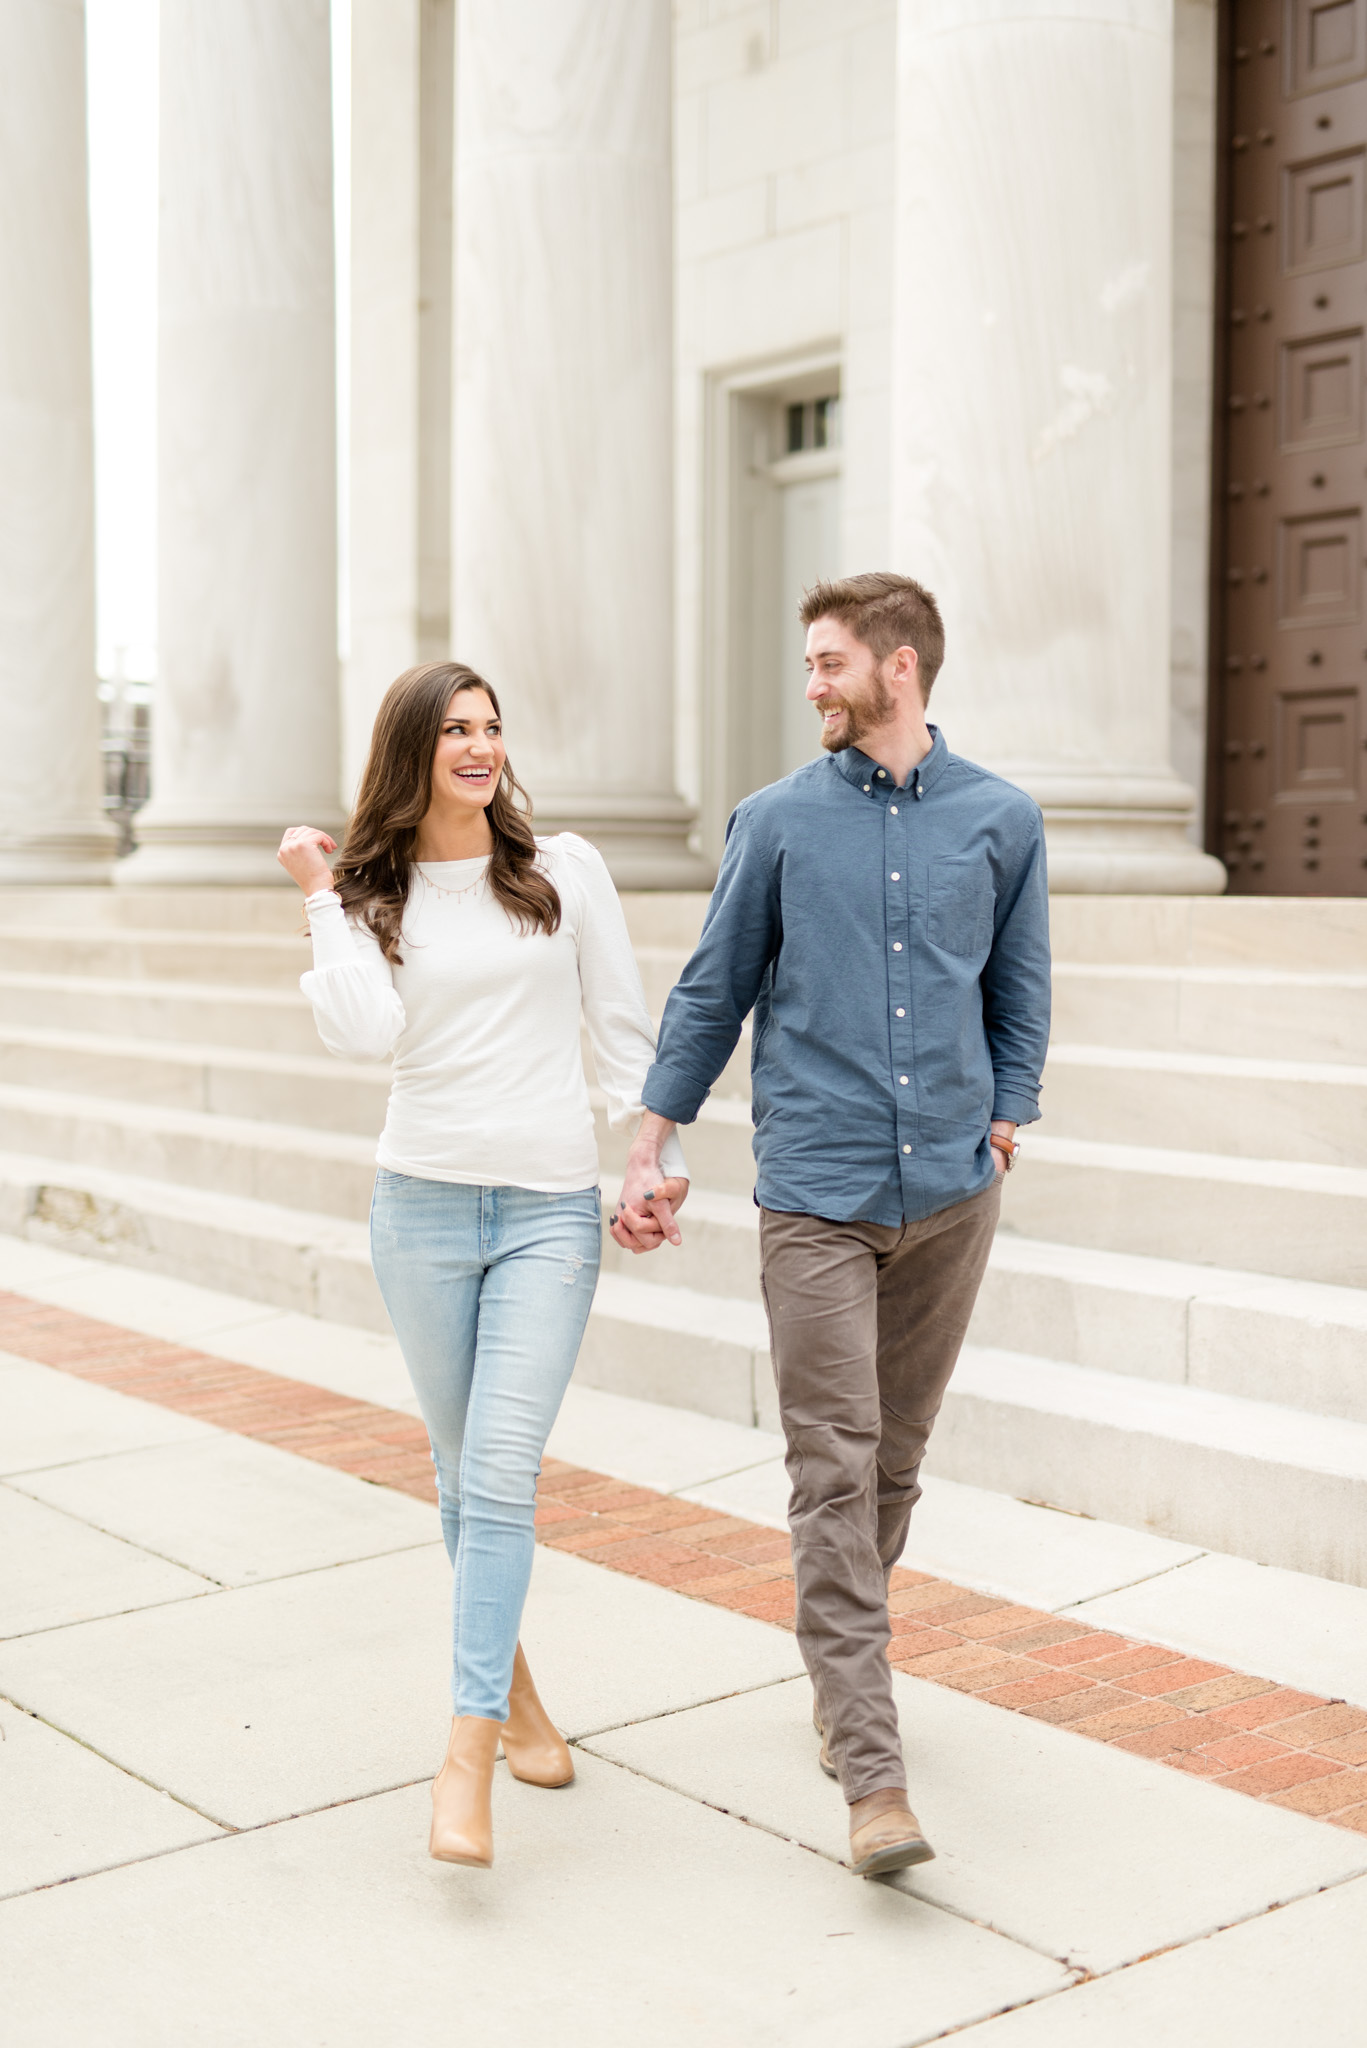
(452,938)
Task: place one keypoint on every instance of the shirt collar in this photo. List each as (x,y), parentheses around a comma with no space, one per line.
(863,772)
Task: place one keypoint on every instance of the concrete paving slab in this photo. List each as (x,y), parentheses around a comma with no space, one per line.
(236,1510)
(606,1648)
(1295,1976)
(22,1264)
(1036,1555)
(254,1704)
(1300,1630)
(363,1364)
(62,1571)
(616,1914)
(667,1448)
(759,1494)
(1083,1852)
(68,1812)
(279,1698)
(151,1302)
(49,1418)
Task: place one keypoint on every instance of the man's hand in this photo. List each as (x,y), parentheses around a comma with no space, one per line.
(1001,1129)
(644,1215)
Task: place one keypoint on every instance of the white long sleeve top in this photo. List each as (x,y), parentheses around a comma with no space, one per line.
(483,1022)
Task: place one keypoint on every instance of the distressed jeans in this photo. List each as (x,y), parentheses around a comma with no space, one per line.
(488,1289)
(866,1321)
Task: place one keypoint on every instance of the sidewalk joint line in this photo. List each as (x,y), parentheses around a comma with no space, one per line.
(1246,1733)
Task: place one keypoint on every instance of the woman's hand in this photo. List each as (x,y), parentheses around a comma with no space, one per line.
(301,856)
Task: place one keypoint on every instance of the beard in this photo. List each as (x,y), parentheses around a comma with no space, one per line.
(864,713)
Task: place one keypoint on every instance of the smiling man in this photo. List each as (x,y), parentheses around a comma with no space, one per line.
(884,913)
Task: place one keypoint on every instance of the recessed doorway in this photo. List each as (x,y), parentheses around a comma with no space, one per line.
(775,509)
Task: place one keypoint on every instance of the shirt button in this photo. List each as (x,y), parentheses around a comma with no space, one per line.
(882,774)
(901,1013)
(895,876)
(866,789)
(903,1079)
(906,1148)
(893,809)
(897,945)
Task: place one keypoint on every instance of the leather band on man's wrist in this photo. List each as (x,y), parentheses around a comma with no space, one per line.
(1008,1147)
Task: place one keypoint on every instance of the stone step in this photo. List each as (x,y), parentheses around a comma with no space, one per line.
(1239,1012)
(312,1090)
(195,910)
(1296,1343)
(1301,1222)
(1324,933)
(243,959)
(1314,1111)
(1263,1482)
(1201,1466)
(1299,1343)
(1247,1012)
(331,1173)
(316,1264)
(198,1013)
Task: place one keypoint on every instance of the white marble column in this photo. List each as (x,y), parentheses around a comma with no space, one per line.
(1032,410)
(384,313)
(246,715)
(562,582)
(51,825)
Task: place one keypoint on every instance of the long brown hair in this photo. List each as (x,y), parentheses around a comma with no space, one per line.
(375,868)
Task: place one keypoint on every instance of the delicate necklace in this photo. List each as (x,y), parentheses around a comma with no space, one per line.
(468,890)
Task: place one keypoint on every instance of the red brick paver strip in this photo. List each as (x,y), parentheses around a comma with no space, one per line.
(1270,1742)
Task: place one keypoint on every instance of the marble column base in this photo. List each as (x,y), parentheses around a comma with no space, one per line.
(644,840)
(1122,835)
(83,851)
(214,854)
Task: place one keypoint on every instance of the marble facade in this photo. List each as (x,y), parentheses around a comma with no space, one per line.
(599,251)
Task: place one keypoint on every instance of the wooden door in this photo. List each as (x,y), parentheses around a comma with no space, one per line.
(1291,638)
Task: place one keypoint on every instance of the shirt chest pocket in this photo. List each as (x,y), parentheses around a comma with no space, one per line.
(959,906)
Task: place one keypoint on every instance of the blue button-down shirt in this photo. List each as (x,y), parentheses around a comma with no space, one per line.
(893,943)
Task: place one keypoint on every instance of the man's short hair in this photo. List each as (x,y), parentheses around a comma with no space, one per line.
(885,612)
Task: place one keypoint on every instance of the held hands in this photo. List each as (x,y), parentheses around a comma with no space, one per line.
(301,854)
(644,1216)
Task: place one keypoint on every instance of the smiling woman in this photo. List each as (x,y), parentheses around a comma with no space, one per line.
(469,949)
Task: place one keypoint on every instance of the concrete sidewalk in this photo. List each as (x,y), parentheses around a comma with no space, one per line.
(223,1674)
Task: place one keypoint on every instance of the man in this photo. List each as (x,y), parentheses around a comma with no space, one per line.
(884,913)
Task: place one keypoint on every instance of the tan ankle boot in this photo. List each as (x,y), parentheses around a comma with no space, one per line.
(536,1751)
(885,1835)
(462,1807)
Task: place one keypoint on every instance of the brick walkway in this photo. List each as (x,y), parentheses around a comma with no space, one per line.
(1290,1748)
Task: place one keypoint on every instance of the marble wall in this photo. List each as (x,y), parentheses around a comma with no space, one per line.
(784,167)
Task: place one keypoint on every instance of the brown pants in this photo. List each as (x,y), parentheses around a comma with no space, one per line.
(865,1321)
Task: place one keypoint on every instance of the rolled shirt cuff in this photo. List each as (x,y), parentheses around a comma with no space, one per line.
(1015,1106)
(670,1092)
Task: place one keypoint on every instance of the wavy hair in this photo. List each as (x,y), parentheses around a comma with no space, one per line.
(375,867)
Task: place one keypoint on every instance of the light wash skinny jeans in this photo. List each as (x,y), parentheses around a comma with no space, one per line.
(488,1289)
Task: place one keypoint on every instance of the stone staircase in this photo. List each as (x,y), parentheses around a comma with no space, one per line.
(1173,1330)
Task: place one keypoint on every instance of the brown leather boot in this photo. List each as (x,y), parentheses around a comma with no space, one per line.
(824,1755)
(885,1835)
(462,1808)
(536,1750)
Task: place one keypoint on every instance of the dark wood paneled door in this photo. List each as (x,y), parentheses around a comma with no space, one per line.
(1292,644)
